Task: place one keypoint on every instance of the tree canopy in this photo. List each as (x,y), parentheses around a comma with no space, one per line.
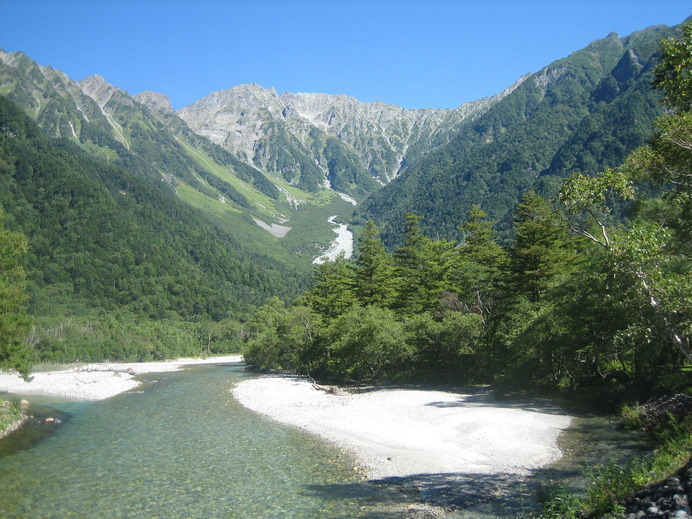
(594,287)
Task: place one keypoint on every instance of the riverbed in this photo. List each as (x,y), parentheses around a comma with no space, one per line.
(180,445)
(342,244)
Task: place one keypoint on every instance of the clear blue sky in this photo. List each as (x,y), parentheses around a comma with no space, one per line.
(413,53)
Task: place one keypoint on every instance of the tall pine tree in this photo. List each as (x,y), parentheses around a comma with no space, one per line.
(374,279)
(539,252)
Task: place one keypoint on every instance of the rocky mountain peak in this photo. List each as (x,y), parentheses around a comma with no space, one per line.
(99,89)
(155,101)
(381,135)
(12,59)
(239,100)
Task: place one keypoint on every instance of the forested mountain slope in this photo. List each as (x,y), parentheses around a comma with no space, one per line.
(109,122)
(583,113)
(111,239)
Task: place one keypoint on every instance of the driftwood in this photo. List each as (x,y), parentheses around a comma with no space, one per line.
(129,371)
(330,390)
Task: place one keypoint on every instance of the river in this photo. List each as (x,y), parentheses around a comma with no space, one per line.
(181,446)
(342,244)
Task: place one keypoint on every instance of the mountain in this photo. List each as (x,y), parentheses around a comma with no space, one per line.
(269,169)
(320,140)
(143,135)
(582,113)
(108,122)
(104,238)
(255,163)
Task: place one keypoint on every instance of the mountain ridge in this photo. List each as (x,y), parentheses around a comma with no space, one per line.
(585,113)
(238,118)
(271,155)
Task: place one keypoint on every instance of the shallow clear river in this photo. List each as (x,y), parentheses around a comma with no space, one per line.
(181,447)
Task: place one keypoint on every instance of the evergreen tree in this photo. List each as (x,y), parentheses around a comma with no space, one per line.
(481,262)
(332,292)
(423,267)
(538,255)
(479,240)
(374,275)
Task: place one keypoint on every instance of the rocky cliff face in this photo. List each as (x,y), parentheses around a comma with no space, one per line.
(312,141)
(155,101)
(382,139)
(48,95)
(61,106)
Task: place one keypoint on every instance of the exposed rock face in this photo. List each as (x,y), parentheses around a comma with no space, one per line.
(250,120)
(59,104)
(313,141)
(155,101)
(98,89)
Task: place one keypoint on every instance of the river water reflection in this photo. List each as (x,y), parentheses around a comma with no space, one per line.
(181,446)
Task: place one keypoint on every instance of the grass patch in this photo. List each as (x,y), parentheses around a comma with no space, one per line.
(633,416)
(10,414)
(611,484)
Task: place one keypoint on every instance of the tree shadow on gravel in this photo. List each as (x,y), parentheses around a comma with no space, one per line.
(473,396)
(538,405)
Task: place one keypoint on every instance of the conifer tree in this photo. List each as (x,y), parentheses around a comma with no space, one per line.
(538,254)
(332,292)
(423,268)
(374,281)
(480,262)
(479,239)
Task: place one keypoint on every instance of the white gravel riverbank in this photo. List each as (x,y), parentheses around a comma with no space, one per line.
(99,380)
(401,432)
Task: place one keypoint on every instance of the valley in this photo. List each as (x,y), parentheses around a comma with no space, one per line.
(533,242)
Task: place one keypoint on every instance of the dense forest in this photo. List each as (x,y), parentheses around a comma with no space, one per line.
(116,266)
(593,289)
(582,113)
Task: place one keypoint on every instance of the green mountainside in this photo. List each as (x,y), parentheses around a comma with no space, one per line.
(156,144)
(583,113)
(200,215)
(113,239)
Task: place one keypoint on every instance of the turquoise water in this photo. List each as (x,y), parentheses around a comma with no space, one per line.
(182,447)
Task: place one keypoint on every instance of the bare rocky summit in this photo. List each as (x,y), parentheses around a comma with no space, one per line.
(248,120)
(155,101)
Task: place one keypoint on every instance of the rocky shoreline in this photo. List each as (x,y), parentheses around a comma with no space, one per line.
(398,433)
(667,499)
